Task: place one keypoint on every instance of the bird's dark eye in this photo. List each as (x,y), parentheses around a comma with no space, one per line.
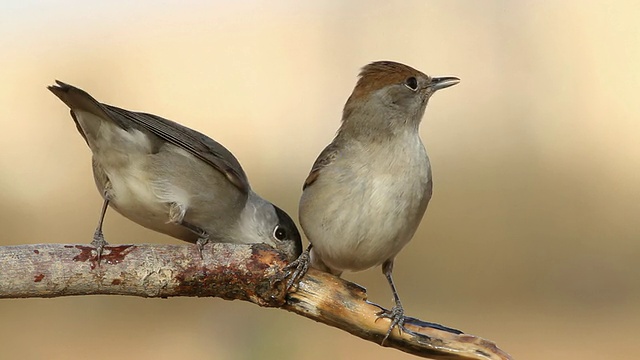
(411,83)
(280,233)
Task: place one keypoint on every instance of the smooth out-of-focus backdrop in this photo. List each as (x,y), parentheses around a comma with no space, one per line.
(532,238)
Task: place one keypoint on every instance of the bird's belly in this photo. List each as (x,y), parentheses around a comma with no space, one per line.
(367,224)
(132,195)
(130,188)
(160,190)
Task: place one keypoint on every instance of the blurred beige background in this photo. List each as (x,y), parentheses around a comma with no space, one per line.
(531,239)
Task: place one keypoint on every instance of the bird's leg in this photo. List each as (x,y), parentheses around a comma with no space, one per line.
(98,237)
(396,314)
(201,242)
(203,236)
(405,319)
(297,268)
(177,212)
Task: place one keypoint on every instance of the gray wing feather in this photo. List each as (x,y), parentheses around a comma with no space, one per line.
(194,142)
(325,158)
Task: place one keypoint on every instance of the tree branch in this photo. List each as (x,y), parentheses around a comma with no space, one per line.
(228,271)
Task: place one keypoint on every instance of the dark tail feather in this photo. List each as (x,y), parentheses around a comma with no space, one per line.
(77,99)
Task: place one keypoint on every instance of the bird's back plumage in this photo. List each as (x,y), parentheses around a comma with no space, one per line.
(196,143)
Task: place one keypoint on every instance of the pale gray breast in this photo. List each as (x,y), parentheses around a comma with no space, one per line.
(394,185)
(369,195)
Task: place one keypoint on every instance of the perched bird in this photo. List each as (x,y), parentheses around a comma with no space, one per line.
(368,190)
(172,179)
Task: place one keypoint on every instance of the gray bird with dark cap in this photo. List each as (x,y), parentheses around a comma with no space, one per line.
(172,179)
(369,188)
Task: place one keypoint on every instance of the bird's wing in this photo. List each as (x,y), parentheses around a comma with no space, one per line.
(325,158)
(194,142)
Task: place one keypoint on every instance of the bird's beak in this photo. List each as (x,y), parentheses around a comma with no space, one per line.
(438,83)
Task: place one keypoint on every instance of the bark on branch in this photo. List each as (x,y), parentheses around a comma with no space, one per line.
(228,271)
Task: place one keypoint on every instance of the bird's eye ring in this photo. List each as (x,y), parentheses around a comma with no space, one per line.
(411,83)
(279,233)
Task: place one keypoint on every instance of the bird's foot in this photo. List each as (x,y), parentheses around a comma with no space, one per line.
(99,243)
(295,270)
(396,315)
(384,313)
(201,242)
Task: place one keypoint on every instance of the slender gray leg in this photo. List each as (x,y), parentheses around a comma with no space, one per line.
(98,237)
(177,212)
(203,236)
(396,314)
